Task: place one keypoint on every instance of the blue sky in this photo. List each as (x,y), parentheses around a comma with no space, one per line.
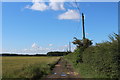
(29,27)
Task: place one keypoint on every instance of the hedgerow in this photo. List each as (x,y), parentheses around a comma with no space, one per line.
(101,60)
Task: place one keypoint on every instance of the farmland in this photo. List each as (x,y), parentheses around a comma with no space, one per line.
(27,67)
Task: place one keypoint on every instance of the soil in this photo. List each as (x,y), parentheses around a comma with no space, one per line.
(63,70)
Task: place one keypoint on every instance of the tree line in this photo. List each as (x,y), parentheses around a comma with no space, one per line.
(55,53)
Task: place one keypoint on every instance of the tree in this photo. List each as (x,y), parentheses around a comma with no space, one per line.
(85,43)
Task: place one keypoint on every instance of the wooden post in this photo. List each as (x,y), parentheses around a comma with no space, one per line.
(69,47)
(83,29)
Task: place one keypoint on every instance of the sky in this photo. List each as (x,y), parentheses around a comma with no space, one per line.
(40,27)
(60,0)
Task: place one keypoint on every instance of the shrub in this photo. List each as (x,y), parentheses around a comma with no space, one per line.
(102,59)
(35,71)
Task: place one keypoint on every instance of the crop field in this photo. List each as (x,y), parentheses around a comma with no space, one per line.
(27,67)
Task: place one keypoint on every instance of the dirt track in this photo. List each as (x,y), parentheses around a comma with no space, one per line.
(63,70)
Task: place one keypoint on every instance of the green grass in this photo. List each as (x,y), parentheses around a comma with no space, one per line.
(99,61)
(27,67)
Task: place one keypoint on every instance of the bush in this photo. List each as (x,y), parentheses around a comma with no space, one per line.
(102,59)
(35,71)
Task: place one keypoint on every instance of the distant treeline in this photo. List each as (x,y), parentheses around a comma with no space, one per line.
(23,54)
(57,53)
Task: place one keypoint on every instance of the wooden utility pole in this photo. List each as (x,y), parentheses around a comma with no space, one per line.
(83,29)
(69,46)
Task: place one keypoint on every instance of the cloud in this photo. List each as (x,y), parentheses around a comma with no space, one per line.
(70,15)
(56,6)
(38,6)
(34,45)
(37,1)
(50,44)
(65,45)
(49,0)
(36,49)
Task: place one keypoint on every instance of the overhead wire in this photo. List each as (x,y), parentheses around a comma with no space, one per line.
(78,9)
(77,6)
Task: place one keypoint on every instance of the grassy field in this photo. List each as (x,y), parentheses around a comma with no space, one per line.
(27,67)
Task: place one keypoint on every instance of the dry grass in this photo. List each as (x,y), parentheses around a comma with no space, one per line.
(12,66)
